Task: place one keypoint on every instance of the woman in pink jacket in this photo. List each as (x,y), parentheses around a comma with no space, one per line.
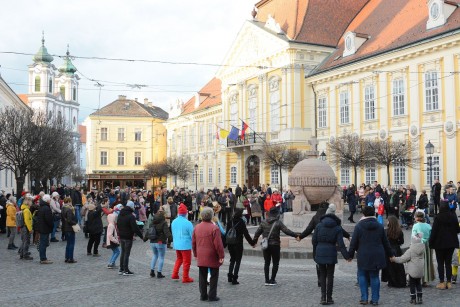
(112,240)
(209,252)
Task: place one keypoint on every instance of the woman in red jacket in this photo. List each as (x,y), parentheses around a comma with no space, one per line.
(268,204)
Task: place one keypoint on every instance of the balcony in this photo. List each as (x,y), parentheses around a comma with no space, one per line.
(252,138)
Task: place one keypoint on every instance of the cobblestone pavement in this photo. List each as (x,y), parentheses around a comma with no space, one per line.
(89,283)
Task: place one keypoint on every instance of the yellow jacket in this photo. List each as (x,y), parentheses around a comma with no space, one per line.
(10,215)
(27,217)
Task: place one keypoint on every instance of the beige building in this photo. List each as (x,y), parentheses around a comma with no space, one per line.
(120,139)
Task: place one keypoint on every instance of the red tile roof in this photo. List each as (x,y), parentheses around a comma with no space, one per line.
(211,95)
(24,98)
(82,132)
(317,22)
(123,107)
(389,25)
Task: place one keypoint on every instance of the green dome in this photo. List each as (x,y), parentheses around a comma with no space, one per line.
(42,55)
(67,67)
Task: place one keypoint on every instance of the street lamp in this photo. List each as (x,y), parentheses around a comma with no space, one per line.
(429,148)
(322,156)
(196,177)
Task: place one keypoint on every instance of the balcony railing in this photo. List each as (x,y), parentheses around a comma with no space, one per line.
(251,138)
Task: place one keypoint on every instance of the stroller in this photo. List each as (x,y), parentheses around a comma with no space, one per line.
(407,217)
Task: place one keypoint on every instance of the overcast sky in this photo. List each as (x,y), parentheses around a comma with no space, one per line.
(199,31)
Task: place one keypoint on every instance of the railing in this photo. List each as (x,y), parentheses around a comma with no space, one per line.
(249,139)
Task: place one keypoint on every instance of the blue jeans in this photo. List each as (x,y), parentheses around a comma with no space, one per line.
(78,214)
(115,254)
(44,242)
(159,251)
(70,237)
(364,276)
(427,216)
(55,226)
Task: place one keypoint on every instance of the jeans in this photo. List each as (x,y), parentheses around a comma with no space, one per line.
(159,250)
(444,259)
(236,253)
(427,216)
(364,276)
(415,285)
(104,237)
(203,282)
(55,226)
(326,278)
(94,239)
(44,242)
(126,246)
(78,214)
(115,254)
(69,247)
(25,238)
(271,253)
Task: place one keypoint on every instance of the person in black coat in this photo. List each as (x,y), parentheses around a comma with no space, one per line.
(45,226)
(127,227)
(95,229)
(444,240)
(328,234)
(352,200)
(236,250)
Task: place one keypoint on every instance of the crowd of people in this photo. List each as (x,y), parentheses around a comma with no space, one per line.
(202,224)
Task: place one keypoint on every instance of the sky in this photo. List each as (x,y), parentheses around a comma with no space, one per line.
(198,31)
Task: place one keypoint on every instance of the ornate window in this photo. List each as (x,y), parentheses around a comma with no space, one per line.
(234,110)
(201,174)
(369,102)
(431,91)
(253,108)
(37,83)
(398,97)
(344,108)
(275,100)
(50,86)
(274,174)
(233,175)
(399,172)
(74,93)
(322,112)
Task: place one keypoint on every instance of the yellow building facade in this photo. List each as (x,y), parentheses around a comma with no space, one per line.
(121,138)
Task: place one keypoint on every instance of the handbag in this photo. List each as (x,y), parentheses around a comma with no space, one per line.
(239,204)
(264,242)
(112,245)
(76,228)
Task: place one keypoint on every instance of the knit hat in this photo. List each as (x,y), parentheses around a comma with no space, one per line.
(182,209)
(130,204)
(54,194)
(417,238)
(331,209)
(377,194)
(46,198)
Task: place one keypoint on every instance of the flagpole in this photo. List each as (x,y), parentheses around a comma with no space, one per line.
(255,133)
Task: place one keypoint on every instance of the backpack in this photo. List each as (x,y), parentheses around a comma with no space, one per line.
(231,236)
(19,219)
(152,233)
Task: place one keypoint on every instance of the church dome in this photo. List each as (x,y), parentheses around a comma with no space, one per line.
(42,55)
(67,66)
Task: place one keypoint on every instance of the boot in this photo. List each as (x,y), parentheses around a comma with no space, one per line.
(323,299)
(230,277)
(419,298)
(159,275)
(235,280)
(152,273)
(412,299)
(10,246)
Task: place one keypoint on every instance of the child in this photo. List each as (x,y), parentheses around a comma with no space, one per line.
(422,227)
(414,258)
(379,207)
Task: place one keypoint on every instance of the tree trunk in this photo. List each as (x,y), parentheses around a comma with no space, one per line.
(356,175)
(281,180)
(175,180)
(388,174)
(19,186)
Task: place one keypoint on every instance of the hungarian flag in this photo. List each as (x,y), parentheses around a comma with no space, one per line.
(243,129)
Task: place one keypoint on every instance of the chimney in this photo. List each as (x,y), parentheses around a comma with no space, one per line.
(121,97)
(148,103)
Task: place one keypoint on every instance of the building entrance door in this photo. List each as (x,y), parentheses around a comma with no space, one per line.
(253,168)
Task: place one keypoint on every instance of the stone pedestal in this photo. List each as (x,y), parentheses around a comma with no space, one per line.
(296,222)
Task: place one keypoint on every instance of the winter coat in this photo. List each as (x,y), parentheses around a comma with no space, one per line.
(142,214)
(55,206)
(414,257)
(423,228)
(76,198)
(313,222)
(277,199)
(256,211)
(27,217)
(328,233)
(445,230)
(127,226)
(207,245)
(241,230)
(161,227)
(352,200)
(45,218)
(423,201)
(10,215)
(266,226)
(173,209)
(94,222)
(268,204)
(68,218)
(112,235)
(371,243)
(182,230)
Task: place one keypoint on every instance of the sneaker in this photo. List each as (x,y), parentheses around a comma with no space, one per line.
(54,240)
(159,275)
(128,273)
(267,283)
(46,262)
(373,303)
(89,254)
(120,272)
(363,302)
(96,255)
(175,277)
(28,258)
(110,266)
(413,301)
(273,283)
(72,261)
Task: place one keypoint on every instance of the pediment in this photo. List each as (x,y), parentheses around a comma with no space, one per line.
(252,48)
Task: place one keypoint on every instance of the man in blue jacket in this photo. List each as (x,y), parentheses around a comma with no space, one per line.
(182,230)
(372,245)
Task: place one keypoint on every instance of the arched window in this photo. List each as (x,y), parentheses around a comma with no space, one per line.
(74,93)
(62,90)
(253,108)
(275,101)
(37,83)
(50,86)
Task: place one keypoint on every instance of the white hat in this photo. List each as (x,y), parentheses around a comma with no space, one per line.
(46,198)
(331,209)
(54,194)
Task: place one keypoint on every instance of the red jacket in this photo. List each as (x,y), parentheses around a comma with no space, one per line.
(268,203)
(207,245)
(277,198)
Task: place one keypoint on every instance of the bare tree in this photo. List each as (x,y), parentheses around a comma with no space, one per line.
(34,143)
(282,157)
(388,152)
(156,170)
(349,151)
(179,167)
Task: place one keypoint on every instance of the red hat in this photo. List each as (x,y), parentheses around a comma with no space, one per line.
(182,209)
(23,193)
(377,194)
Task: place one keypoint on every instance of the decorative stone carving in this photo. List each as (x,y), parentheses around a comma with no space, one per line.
(331,139)
(413,131)
(272,25)
(449,126)
(383,134)
(370,127)
(399,123)
(432,118)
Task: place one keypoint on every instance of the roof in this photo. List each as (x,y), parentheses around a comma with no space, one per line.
(389,25)
(82,132)
(42,54)
(211,95)
(123,107)
(311,21)
(67,66)
(24,98)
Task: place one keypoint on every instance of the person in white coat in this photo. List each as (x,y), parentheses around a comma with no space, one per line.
(56,210)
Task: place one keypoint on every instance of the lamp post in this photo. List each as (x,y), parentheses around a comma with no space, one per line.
(429,148)
(322,156)
(196,177)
